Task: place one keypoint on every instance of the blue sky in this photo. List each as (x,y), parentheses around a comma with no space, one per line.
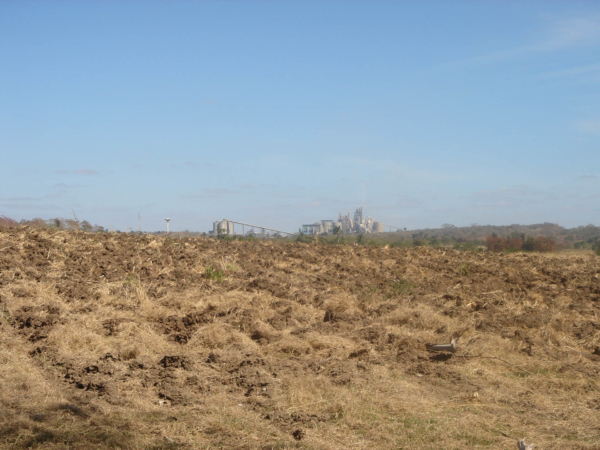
(287,112)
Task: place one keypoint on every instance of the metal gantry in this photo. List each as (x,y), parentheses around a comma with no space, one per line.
(243,224)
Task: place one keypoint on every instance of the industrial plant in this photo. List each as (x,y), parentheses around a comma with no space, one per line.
(345,225)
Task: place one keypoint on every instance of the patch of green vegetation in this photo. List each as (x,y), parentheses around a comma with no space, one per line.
(304,238)
(463,269)
(385,291)
(402,286)
(573,437)
(410,422)
(214,274)
(471,439)
(132,279)
(370,291)
(402,243)
(469,246)
(543,372)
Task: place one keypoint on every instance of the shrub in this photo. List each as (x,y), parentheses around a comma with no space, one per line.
(545,244)
(495,243)
(401,243)
(7,222)
(37,223)
(516,244)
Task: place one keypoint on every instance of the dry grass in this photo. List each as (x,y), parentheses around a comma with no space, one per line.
(113,341)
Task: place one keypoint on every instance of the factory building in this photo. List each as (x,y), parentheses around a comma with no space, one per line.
(358,224)
(344,224)
(222,227)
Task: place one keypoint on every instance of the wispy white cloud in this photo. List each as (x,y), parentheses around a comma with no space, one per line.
(79,172)
(65,186)
(17,199)
(28,206)
(589,126)
(397,170)
(560,35)
(116,209)
(289,196)
(209,193)
(573,32)
(580,71)
(86,172)
(399,203)
(192,164)
(507,194)
(57,194)
(249,186)
(504,191)
(515,198)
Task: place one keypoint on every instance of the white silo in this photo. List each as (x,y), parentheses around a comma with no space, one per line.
(222,227)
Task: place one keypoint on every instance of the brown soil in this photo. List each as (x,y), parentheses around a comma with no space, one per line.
(117,341)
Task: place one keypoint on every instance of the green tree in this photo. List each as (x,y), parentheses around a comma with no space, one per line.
(337,230)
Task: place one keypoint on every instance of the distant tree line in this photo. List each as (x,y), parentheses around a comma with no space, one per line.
(529,238)
(57,223)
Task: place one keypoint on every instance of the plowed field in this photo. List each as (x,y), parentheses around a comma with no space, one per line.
(122,341)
